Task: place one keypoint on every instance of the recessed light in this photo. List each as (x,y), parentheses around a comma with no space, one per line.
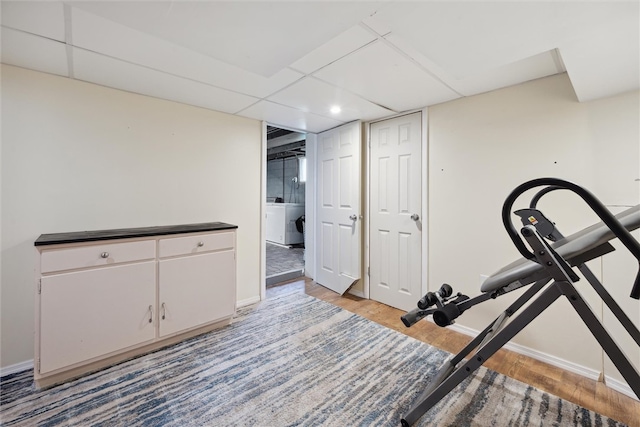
(335,109)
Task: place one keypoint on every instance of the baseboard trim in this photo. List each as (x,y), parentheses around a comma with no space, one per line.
(18,367)
(538,355)
(248,301)
(357,293)
(620,386)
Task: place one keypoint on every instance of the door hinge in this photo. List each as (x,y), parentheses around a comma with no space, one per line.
(38,364)
(369,271)
(39,286)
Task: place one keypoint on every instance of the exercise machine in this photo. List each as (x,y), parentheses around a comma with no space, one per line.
(547,269)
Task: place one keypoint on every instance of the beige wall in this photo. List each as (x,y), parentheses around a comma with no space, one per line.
(77,156)
(482,147)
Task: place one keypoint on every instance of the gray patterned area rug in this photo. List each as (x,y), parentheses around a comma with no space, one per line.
(288,361)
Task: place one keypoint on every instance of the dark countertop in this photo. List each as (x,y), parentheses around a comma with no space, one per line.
(126,233)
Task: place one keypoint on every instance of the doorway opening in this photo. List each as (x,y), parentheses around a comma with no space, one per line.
(285,205)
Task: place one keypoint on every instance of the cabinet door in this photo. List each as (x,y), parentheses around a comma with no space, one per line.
(88,314)
(275,224)
(196,290)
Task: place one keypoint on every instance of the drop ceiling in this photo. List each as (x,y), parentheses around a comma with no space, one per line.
(290,62)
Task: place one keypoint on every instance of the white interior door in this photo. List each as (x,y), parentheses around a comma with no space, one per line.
(339,220)
(396,211)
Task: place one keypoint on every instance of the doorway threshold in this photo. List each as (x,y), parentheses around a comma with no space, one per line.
(284,276)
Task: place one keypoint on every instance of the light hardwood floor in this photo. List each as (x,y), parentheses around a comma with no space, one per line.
(590,394)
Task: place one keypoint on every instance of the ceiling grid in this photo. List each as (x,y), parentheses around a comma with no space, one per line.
(289,63)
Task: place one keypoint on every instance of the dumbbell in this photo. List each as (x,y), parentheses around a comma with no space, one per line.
(431,298)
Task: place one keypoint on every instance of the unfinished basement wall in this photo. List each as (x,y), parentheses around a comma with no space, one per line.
(480,149)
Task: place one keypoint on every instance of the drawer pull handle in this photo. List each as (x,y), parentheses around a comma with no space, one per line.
(104,254)
(150,314)
(200,244)
(164,311)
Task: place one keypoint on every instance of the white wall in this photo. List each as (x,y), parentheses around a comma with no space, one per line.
(482,147)
(77,156)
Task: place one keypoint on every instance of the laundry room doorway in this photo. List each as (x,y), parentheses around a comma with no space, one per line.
(286,176)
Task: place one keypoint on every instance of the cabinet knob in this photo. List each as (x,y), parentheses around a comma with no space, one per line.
(200,243)
(104,255)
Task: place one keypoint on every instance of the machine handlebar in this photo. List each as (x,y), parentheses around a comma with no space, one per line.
(557,184)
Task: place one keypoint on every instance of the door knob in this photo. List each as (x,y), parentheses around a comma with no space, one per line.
(415,217)
(353,217)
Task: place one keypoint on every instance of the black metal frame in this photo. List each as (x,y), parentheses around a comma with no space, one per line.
(596,205)
(559,282)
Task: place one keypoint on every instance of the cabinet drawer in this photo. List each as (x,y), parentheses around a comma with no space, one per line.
(96,255)
(195,244)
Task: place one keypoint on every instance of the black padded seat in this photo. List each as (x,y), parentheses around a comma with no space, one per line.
(568,248)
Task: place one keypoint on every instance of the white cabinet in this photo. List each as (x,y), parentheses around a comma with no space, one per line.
(193,287)
(101,302)
(281,223)
(86,314)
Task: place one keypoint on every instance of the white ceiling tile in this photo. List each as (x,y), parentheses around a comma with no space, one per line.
(253,84)
(106,71)
(604,65)
(315,96)
(287,117)
(45,18)
(408,49)
(376,24)
(465,38)
(33,52)
(254,36)
(97,34)
(534,67)
(352,39)
(380,74)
